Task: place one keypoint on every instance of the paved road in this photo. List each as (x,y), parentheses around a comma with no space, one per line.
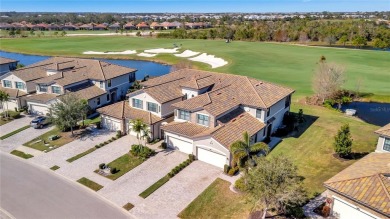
(28,191)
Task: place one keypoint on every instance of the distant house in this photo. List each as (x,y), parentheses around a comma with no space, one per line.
(53,27)
(6,26)
(129,26)
(100,27)
(383,145)
(7,65)
(361,191)
(115,26)
(156,26)
(168,25)
(87,26)
(143,26)
(69,26)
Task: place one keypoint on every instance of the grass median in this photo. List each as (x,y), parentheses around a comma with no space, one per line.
(154,187)
(78,156)
(21,154)
(90,184)
(14,132)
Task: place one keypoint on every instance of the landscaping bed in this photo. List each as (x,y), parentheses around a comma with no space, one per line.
(90,184)
(14,132)
(21,154)
(43,143)
(128,206)
(122,165)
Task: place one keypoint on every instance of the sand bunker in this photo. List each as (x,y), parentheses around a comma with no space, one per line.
(126,52)
(161,50)
(210,59)
(146,54)
(187,53)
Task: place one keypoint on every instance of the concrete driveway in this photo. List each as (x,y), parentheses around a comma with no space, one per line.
(170,199)
(129,186)
(16,124)
(11,143)
(27,191)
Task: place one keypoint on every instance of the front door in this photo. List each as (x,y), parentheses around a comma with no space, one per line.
(113,97)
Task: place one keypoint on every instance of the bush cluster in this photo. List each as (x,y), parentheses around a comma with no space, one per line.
(179,167)
(240,184)
(118,134)
(233,171)
(102,166)
(12,114)
(164,145)
(107,142)
(191,157)
(142,151)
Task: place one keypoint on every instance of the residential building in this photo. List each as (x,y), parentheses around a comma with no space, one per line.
(203,113)
(143,26)
(7,65)
(383,145)
(98,82)
(361,191)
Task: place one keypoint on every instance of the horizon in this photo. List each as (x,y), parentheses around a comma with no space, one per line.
(181,6)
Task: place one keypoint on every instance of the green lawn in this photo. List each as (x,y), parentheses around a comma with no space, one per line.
(128,206)
(14,132)
(55,167)
(91,121)
(70,160)
(3,121)
(313,150)
(90,184)
(154,187)
(38,142)
(284,64)
(124,164)
(217,201)
(21,154)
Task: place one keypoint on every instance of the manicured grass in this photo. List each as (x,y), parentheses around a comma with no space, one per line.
(90,121)
(90,184)
(284,64)
(124,164)
(21,154)
(312,151)
(154,187)
(128,206)
(14,132)
(217,201)
(3,121)
(65,138)
(55,167)
(70,160)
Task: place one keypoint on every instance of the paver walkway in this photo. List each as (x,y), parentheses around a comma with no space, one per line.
(16,124)
(128,187)
(178,192)
(308,209)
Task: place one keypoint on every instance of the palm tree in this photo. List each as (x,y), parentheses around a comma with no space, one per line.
(5,98)
(138,126)
(242,150)
(2,93)
(145,134)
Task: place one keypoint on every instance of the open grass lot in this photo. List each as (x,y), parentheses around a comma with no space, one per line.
(313,150)
(38,142)
(123,165)
(217,201)
(280,63)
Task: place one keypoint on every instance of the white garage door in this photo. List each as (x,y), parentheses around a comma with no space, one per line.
(38,109)
(345,210)
(180,145)
(110,124)
(211,157)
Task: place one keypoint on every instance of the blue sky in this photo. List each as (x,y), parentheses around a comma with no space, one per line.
(134,6)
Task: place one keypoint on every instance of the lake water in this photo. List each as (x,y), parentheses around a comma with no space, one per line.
(144,68)
(374,113)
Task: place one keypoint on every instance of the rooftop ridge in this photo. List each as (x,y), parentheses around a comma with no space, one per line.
(383,185)
(101,69)
(257,94)
(164,83)
(34,66)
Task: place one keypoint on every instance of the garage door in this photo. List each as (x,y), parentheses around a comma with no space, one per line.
(179,144)
(111,124)
(211,157)
(345,210)
(38,110)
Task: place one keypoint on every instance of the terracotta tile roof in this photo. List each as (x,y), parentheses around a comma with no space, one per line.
(199,82)
(385,130)
(41,98)
(367,181)
(155,24)
(186,129)
(143,24)
(90,92)
(6,60)
(122,110)
(13,93)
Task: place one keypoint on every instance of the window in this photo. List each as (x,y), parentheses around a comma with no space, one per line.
(98,101)
(101,84)
(288,101)
(108,97)
(152,107)
(55,90)
(19,85)
(268,112)
(185,96)
(7,83)
(109,83)
(203,119)
(386,145)
(258,113)
(185,115)
(42,88)
(137,103)
(131,77)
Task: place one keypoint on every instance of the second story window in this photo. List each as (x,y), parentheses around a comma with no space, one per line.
(98,101)
(108,97)
(101,84)
(109,83)
(42,88)
(152,107)
(258,113)
(386,145)
(202,119)
(269,112)
(184,115)
(19,85)
(137,103)
(7,83)
(55,90)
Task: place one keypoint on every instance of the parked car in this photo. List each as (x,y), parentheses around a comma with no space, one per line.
(39,122)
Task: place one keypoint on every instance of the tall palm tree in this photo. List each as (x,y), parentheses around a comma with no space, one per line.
(2,93)
(242,150)
(145,134)
(5,98)
(137,125)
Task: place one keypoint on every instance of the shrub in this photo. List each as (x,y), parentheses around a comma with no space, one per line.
(142,151)
(114,138)
(164,145)
(110,140)
(113,170)
(176,169)
(226,168)
(106,142)
(170,174)
(191,157)
(182,165)
(97,146)
(118,134)
(240,184)
(233,171)
(102,166)
(101,144)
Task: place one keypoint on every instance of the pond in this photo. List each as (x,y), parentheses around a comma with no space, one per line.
(373,113)
(144,68)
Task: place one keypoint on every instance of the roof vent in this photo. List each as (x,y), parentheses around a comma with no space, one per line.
(233,120)
(258,84)
(219,93)
(242,115)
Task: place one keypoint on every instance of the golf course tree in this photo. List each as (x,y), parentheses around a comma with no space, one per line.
(343,141)
(275,184)
(328,79)
(67,111)
(243,150)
